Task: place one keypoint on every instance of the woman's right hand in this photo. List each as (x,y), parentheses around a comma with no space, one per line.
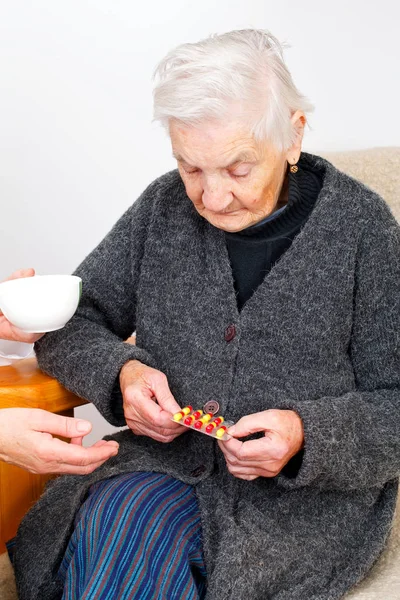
(148,402)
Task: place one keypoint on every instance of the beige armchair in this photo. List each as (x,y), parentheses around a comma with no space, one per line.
(24,385)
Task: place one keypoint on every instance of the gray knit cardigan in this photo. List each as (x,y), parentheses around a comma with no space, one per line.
(321,336)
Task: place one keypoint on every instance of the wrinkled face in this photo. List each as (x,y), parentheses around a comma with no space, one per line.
(232,180)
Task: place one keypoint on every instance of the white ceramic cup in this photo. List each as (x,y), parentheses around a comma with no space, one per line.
(41,303)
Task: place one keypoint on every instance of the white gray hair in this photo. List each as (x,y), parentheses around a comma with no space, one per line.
(201,81)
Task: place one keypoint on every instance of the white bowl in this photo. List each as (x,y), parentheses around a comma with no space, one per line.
(41,303)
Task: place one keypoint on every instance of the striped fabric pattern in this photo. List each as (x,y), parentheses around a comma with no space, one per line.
(136,536)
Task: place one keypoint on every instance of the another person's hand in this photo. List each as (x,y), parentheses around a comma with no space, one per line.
(266,456)
(26,440)
(8,331)
(148,402)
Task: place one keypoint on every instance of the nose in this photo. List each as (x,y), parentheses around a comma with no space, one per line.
(216,197)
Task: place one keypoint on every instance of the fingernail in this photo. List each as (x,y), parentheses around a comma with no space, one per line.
(83,426)
(231,430)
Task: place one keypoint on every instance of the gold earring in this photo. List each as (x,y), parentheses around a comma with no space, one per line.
(294,168)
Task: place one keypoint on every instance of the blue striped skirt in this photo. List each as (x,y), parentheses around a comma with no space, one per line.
(136,536)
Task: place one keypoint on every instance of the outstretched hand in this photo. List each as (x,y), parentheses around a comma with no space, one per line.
(26,440)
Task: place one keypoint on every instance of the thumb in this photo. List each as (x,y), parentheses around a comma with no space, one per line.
(248,425)
(165,398)
(67,427)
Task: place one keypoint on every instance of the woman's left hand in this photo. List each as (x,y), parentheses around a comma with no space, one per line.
(266,456)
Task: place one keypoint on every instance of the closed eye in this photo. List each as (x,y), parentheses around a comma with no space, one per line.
(240,175)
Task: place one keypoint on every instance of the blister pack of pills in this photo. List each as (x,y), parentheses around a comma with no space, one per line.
(204,421)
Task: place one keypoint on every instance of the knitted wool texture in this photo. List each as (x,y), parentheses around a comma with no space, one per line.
(319,336)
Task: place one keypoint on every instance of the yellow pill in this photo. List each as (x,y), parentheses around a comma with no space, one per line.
(187,410)
(221,431)
(178,416)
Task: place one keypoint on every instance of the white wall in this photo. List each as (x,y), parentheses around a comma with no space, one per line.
(76,141)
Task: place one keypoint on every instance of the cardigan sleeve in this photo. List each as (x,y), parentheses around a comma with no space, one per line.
(353,441)
(88,353)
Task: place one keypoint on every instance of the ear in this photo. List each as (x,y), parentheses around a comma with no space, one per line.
(298,121)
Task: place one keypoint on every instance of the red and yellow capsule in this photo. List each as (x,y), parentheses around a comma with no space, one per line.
(197,414)
(199,424)
(178,416)
(185,411)
(189,420)
(210,427)
(217,421)
(221,431)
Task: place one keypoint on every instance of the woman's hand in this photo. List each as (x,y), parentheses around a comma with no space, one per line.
(8,331)
(148,402)
(264,457)
(26,440)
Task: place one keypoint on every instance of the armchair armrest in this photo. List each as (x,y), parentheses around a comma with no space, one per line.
(23,385)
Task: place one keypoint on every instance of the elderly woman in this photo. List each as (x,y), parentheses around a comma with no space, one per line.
(264,280)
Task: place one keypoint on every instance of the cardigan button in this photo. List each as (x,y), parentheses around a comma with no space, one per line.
(230,333)
(212,406)
(200,470)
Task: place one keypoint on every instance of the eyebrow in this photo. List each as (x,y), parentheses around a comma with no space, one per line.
(242,157)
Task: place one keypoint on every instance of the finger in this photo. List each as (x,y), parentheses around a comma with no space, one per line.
(74,470)
(262,450)
(163,394)
(266,469)
(147,410)
(12,333)
(148,429)
(250,424)
(77,441)
(21,273)
(22,336)
(230,458)
(270,449)
(144,428)
(240,470)
(5,327)
(230,447)
(263,468)
(160,435)
(246,477)
(256,450)
(67,427)
(258,471)
(103,442)
(70,454)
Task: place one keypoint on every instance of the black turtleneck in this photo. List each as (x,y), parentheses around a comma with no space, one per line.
(254,250)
